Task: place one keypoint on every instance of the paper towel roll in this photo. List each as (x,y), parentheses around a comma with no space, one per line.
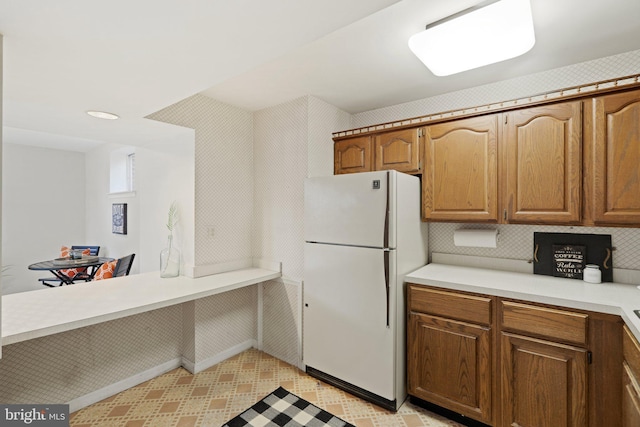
(476,238)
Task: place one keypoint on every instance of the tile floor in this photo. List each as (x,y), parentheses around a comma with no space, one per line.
(213,396)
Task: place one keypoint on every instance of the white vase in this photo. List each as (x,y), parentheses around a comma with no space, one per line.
(169,260)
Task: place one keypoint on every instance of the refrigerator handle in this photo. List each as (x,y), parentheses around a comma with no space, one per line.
(386,280)
(386,217)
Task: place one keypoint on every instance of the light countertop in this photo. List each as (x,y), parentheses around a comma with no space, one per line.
(611,298)
(33,314)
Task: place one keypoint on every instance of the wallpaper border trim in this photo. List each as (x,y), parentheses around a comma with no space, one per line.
(573,92)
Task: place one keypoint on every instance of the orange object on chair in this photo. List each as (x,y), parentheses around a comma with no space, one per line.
(73,272)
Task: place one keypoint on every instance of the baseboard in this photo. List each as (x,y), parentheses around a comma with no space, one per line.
(149,374)
(188,364)
(110,390)
(200,366)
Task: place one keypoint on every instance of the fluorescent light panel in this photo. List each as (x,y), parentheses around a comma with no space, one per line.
(485,35)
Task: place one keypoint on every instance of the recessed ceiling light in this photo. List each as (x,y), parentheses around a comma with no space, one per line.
(103,115)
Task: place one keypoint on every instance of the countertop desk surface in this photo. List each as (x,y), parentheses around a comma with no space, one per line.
(33,314)
(612,298)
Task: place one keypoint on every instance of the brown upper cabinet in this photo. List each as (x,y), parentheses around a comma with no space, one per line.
(612,159)
(353,155)
(542,164)
(398,150)
(528,170)
(460,178)
(566,163)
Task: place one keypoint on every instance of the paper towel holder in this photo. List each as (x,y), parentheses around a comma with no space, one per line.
(476,237)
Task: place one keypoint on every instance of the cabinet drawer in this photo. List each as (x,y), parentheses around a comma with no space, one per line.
(544,322)
(631,351)
(452,305)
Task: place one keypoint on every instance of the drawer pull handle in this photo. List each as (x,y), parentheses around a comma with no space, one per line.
(535,254)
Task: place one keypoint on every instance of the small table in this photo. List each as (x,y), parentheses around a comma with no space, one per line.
(55,267)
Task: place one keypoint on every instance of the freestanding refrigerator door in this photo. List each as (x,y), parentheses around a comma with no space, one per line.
(352,209)
(349,312)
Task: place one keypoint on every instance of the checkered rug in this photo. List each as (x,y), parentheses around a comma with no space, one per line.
(282,408)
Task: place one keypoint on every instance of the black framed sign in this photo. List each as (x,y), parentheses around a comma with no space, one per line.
(119,218)
(569,260)
(563,254)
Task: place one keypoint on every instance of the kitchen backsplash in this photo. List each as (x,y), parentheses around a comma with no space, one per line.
(516,241)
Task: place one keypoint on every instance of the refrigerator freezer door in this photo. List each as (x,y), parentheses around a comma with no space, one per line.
(352,209)
(347,304)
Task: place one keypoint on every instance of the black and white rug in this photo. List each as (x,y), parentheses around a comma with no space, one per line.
(282,408)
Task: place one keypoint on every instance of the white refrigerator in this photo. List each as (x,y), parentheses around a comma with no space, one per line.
(363,233)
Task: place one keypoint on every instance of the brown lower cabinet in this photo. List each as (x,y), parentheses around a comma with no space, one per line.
(543,383)
(630,380)
(450,350)
(470,365)
(514,363)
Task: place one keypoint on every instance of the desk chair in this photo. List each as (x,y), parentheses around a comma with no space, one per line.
(116,268)
(82,275)
(123,266)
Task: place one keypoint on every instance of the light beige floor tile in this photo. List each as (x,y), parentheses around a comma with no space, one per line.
(217,394)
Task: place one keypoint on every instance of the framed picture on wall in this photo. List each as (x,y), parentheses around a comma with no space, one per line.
(119,218)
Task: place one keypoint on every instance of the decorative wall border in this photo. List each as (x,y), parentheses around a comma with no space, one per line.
(573,92)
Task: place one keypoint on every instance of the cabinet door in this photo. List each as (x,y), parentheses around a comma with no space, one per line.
(543,162)
(630,385)
(449,364)
(460,177)
(543,384)
(613,167)
(630,398)
(353,155)
(398,150)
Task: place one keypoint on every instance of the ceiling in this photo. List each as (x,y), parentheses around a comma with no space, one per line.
(64,57)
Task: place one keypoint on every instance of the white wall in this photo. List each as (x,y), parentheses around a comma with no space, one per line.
(164,173)
(43,209)
(98,211)
(621,65)
(324,119)
(223,177)
(291,141)
(280,153)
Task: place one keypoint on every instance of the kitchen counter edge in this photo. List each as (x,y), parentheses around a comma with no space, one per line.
(610,298)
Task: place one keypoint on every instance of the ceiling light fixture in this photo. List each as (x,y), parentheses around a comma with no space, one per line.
(103,115)
(490,32)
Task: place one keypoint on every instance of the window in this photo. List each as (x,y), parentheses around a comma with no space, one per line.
(122,167)
(131,171)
